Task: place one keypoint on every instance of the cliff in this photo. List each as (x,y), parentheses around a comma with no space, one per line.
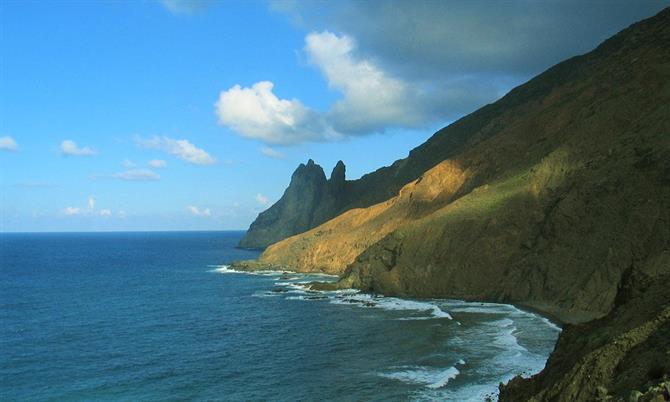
(308,201)
(556,197)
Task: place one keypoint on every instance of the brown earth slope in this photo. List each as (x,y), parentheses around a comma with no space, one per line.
(558,200)
(550,202)
(284,219)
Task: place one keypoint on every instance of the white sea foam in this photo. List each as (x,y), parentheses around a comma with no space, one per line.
(457,306)
(265,294)
(495,343)
(393,304)
(225,269)
(433,378)
(505,338)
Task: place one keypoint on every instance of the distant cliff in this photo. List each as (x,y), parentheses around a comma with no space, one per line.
(285,218)
(556,197)
(309,200)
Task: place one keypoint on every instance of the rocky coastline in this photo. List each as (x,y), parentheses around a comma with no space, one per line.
(554,198)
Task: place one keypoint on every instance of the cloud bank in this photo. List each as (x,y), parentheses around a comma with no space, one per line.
(406,65)
(182,149)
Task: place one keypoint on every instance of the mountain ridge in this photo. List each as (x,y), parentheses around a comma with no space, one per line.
(553,197)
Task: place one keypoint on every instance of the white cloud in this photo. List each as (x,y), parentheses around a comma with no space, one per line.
(256,112)
(137,175)
(372,100)
(70,148)
(122,214)
(157,163)
(272,153)
(182,149)
(261,199)
(186,6)
(198,212)
(8,143)
(127,163)
(89,211)
(72,211)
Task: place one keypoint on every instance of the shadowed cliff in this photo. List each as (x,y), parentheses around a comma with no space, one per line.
(309,200)
(556,197)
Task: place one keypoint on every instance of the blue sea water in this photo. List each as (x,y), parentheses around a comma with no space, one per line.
(159,316)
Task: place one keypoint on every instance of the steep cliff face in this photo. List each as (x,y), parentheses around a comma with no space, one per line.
(549,203)
(556,197)
(385,182)
(621,357)
(308,201)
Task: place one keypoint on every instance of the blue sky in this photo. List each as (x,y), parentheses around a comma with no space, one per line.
(190,115)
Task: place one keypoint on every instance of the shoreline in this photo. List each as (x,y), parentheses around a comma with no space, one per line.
(250,266)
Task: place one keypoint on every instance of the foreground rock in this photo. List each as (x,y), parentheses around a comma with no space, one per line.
(624,356)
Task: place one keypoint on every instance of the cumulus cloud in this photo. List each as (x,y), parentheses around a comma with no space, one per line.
(182,149)
(157,163)
(272,153)
(400,64)
(105,212)
(261,199)
(137,175)
(198,212)
(8,143)
(70,148)
(186,6)
(91,202)
(256,112)
(372,100)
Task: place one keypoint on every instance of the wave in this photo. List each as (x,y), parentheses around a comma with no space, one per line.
(225,269)
(433,378)
(494,327)
(393,304)
(505,338)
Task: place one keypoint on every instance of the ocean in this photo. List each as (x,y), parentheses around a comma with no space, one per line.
(159,316)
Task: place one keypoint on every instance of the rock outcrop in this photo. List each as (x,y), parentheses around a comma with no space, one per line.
(309,200)
(550,201)
(556,197)
(624,356)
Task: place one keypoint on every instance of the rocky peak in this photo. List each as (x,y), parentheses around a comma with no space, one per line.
(338,174)
(309,172)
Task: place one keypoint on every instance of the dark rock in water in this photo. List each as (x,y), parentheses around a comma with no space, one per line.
(316,297)
(279,290)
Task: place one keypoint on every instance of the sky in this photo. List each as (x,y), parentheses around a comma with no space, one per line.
(192,115)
